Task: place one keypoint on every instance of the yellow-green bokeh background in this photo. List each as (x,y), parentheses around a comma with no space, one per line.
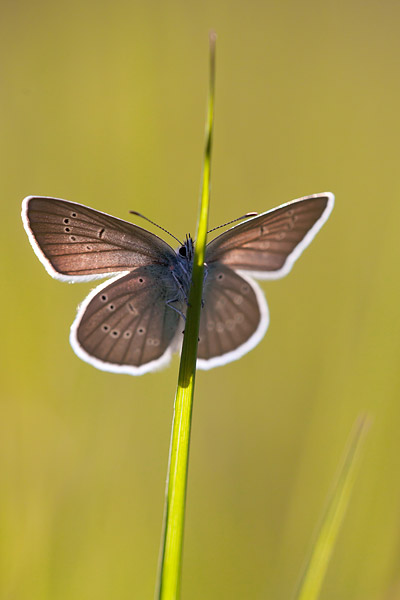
(103,103)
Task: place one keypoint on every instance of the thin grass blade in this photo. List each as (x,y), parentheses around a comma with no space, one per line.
(321,551)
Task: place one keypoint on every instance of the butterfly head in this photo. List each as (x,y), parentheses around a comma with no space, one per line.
(187,250)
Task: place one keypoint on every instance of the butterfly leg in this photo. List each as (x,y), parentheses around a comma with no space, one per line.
(204,280)
(169,303)
(180,288)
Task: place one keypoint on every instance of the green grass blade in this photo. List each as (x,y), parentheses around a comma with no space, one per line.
(321,552)
(174,513)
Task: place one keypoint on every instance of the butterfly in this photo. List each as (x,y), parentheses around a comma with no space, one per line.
(132,323)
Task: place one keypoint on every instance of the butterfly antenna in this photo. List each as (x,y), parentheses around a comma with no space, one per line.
(249,214)
(134,212)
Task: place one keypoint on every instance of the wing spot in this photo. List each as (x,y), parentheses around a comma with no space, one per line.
(264,230)
(141,280)
(72,238)
(281,235)
(74,215)
(105,327)
(101,233)
(111,307)
(67,229)
(230,324)
(66,221)
(103,298)
(220,276)
(245,288)
(141,330)
(238,299)
(88,247)
(131,308)
(127,333)
(115,333)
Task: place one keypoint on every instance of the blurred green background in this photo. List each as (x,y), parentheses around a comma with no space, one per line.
(103,103)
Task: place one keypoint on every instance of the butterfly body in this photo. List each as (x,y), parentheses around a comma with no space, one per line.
(182,270)
(132,323)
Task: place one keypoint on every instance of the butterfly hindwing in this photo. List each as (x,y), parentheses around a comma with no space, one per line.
(266,246)
(234,317)
(125,325)
(77,243)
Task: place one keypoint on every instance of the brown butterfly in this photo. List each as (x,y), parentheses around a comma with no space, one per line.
(133,322)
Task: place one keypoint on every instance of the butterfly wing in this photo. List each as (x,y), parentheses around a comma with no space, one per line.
(125,325)
(268,245)
(77,243)
(234,317)
(235,314)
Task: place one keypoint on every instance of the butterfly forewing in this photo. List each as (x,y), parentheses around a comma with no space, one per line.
(234,317)
(126,325)
(76,242)
(268,245)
